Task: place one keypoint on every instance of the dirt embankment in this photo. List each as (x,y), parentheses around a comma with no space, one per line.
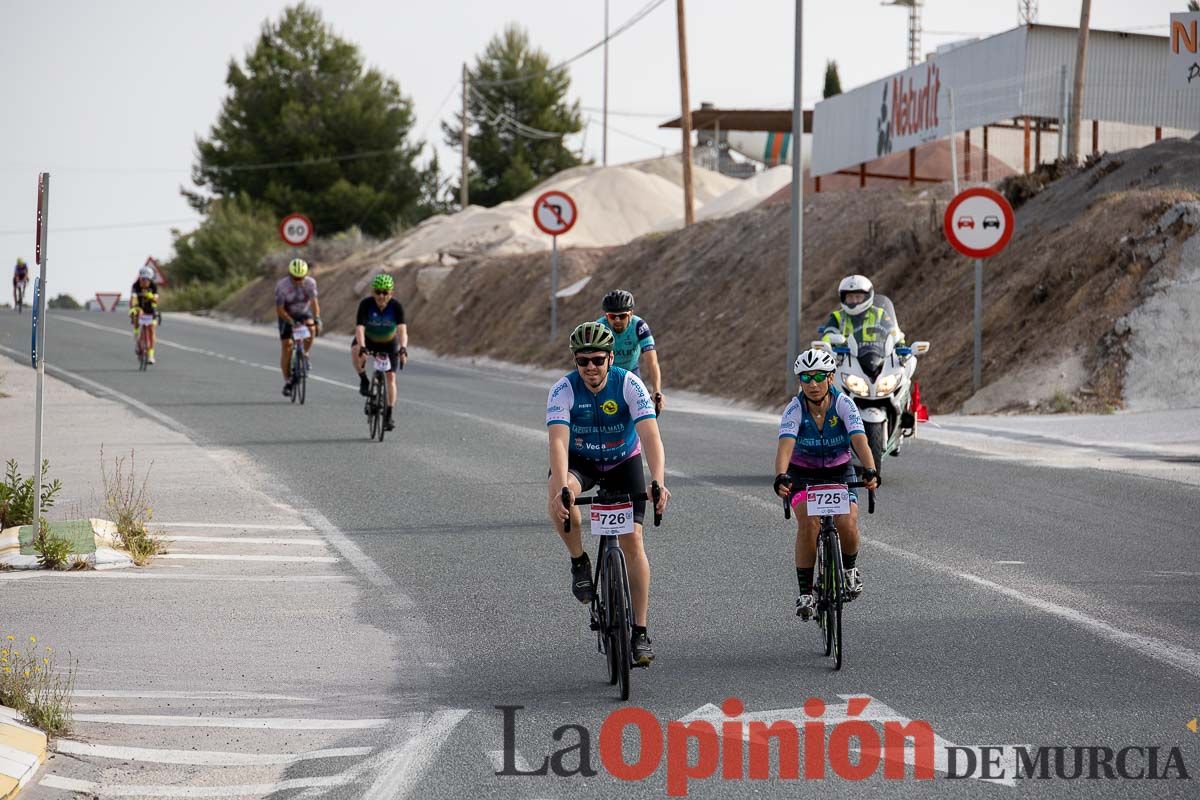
(716,293)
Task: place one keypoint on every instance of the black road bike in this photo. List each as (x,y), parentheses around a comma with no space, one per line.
(20,297)
(376,404)
(299,362)
(611,610)
(830,593)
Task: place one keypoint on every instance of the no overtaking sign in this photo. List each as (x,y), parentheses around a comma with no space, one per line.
(978,222)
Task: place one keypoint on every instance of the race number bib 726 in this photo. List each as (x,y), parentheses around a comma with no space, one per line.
(828,500)
(612,519)
(300,331)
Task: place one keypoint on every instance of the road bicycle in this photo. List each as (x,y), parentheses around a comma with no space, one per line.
(300,334)
(19,296)
(145,325)
(611,611)
(830,593)
(376,405)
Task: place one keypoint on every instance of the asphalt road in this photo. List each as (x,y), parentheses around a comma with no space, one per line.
(1005,603)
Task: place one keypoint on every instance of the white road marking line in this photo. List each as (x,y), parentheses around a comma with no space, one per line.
(201,758)
(235,526)
(401,774)
(497,759)
(1010,562)
(273,559)
(170,537)
(156,575)
(256,723)
(168,695)
(246,790)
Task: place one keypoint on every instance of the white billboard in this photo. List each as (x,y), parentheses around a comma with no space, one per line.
(1185,62)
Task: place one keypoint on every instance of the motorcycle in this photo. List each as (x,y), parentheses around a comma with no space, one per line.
(878,376)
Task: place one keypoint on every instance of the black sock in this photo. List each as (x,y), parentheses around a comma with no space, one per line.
(579,562)
(804,575)
(639,630)
(848,560)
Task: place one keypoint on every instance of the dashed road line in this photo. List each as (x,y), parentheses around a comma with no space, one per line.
(236,526)
(144,694)
(202,758)
(271,559)
(244,540)
(246,790)
(255,723)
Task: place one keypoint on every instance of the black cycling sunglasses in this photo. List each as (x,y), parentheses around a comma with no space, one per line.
(814,377)
(595,361)
(382,291)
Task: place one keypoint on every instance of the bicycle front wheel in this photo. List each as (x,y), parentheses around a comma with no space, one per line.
(833,569)
(380,405)
(620,630)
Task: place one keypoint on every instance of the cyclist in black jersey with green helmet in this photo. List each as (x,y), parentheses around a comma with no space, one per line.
(379,328)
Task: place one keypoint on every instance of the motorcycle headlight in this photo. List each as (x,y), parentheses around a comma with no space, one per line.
(856,385)
(887,384)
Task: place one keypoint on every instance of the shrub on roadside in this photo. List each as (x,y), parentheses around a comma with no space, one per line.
(33,683)
(53,551)
(127,503)
(201,296)
(16,495)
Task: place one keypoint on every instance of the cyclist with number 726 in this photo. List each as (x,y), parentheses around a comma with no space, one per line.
(599,417)
(819,428)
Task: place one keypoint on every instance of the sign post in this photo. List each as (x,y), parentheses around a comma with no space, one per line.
(554,213)
(979,224)
(39,357)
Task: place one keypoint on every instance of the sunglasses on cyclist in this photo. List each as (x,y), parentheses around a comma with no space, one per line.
(622,315)
(814,377)
(381,291)
(595,361)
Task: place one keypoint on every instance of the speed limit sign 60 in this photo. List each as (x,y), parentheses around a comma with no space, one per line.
(296,229)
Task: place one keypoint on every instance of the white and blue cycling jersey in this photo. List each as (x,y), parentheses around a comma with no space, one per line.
(629,344)
(603,425)
(828,446)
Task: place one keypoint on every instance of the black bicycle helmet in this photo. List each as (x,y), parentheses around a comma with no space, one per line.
(618,300)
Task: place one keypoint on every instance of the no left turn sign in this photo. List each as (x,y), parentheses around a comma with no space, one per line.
(296,229)
(978,222)
(554,212)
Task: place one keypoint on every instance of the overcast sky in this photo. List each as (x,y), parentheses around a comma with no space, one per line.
(109,97)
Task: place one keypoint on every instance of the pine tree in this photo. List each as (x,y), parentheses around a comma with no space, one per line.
(833,84)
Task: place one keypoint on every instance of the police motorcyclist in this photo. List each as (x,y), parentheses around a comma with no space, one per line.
(863,314)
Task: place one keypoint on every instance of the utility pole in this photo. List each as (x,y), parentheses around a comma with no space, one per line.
(796,241)
(463,195)
(1085,14)
(689,214)
(604,135)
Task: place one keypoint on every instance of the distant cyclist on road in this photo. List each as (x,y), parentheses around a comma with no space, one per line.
(143,299)
(379,329)
(819,427)
(20,278)
(632,342)
(295,295)
(862,314)
(599,416)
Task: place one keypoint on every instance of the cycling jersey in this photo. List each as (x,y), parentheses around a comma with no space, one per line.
(20,273)
(828,446)
(629,344)
(604,425)
(295,297)
(379,324)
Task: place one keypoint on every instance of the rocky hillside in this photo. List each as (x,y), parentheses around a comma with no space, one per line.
(1089,250)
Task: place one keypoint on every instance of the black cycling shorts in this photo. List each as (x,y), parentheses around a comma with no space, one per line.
(285,327)
(625,478)
(802,476)
(390,349)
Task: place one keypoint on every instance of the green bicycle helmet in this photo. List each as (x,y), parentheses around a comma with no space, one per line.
(383,282)
(591,336)
(298,268)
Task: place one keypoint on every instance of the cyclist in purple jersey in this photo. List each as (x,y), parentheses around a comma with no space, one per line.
(819,429)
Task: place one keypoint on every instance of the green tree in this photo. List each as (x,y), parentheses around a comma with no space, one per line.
(64,302)
(833,83)
(335,132)
(516,125)
(1193,5)
(228,245)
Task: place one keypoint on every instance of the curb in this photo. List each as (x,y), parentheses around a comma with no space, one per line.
(22,751)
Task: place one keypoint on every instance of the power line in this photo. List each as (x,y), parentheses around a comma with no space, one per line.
(629,23)
(113,226)
(514,125)
(633,136)
(646,114)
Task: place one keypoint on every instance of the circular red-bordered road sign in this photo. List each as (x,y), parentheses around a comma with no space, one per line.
(296,229)
(554,212)
(978,222)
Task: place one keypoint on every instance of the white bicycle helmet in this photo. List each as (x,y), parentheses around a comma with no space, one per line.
(147,273)
(814,361)
(856,283)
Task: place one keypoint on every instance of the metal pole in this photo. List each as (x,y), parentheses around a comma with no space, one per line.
(977,367)
(553,289)
(1076,112)
(953,143)
(689,212)
(43,224)
(796,242)
(604,135)
(463,195)
(1062,118)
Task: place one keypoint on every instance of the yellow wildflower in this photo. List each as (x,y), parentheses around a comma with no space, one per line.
(26,673)
(8,670)
(46,661)
(10,638)
(33,639)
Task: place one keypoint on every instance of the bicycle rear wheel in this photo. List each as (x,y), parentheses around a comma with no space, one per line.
(380,404)
(618,616)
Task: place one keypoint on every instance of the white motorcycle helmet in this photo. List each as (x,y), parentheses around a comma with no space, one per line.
(814,361)
(147,273)
(856,283)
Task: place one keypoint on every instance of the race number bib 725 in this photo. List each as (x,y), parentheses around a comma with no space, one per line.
(828,500)
(383,363)
(612,519)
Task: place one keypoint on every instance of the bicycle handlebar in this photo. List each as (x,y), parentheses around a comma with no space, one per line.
(655,494)
(787,501)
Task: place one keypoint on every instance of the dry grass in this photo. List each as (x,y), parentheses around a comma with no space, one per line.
(127,503)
